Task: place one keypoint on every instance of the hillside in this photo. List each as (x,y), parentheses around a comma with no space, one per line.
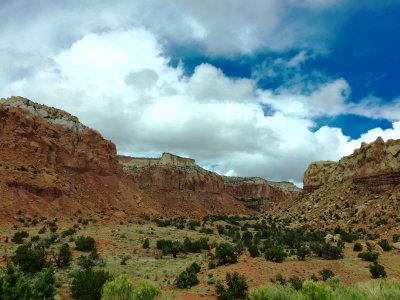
(360,190)
(51,164)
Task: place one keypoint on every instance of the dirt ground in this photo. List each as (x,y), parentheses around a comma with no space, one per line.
(115,241)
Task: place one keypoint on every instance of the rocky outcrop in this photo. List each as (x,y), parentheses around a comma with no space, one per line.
(253,188)
(167,159)
(376,165)
(50,114)
(167,178)
(52,165)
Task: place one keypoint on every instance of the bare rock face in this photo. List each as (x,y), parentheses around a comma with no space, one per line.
(35,143)
(253,188)
(50,114)
(376,165)
(52,165)
(168,178)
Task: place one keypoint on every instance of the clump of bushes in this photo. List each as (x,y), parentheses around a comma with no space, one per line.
(225,254)
(275,254)
(326,274)
(122,288)
(236,287)
(377,271)
(369,256)
(385,245)
(87,284)
(14,285)
(30,260)
(188,277)
(357,247)
(64,256)
(19,236)
(85,243)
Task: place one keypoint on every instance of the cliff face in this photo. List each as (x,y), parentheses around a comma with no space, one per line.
(52,165)
(376,165)
(362,189)
(171,178)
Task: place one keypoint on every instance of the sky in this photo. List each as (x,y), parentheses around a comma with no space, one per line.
(247,88)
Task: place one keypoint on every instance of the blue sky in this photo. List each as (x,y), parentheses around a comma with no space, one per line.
(250,89)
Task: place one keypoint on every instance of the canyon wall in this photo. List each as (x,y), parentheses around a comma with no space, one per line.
(376,165)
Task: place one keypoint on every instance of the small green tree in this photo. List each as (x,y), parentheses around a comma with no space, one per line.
(19,236)
(377,270)
(225,253)
(369,256)
(45,285)
(275,254)
(357,247)
(326,274)
(385,245)
(146,244)
(64,256)
(30,260)
(13,285)
(236,288)
(303,252)
(85,243)
(87,284)
(253,250)
(186,279)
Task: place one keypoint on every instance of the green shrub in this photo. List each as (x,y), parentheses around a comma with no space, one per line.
(295,282)
(317,291)
(330,251)
(369,256)
(275,254)
(85,243)
(211,264)
(120,288)
(377,270)
(385,245)
(146,291)
(236,288)
(64,256)
(13,284)
(87,284)
(146,244)
(194,267)
(186,279)
(44,287)
(68,232)
(30,260)
(326,274)
(396,237)
(225,253)
(278,278)
(357,247)
(302,252)
(19,236)
(253,250)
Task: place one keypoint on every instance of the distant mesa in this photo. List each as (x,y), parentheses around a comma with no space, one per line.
(167,159)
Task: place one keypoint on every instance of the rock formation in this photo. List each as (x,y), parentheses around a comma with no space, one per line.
(168,159)
(52,165)
(376,165)
(361,191)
